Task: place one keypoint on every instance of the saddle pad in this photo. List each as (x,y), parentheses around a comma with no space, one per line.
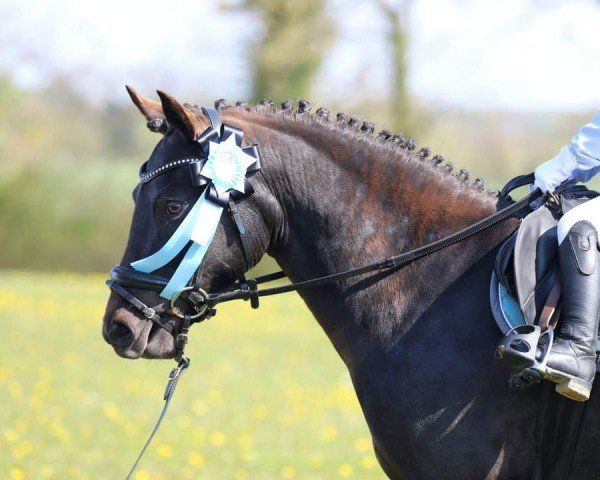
(505,308)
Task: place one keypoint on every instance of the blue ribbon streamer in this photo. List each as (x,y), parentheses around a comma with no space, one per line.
(193,257)
(191,261)
(174,245)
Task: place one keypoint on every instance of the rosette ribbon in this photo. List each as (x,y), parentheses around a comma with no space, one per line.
(223,173)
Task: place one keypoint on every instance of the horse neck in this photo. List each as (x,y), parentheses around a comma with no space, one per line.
(346,202)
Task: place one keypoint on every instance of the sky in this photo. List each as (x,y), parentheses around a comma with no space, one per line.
(524,55)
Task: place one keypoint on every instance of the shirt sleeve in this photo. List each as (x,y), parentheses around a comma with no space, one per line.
(585,148)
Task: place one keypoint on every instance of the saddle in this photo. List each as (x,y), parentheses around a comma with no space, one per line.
(525,283)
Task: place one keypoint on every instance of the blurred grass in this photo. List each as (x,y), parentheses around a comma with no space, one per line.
(266,396)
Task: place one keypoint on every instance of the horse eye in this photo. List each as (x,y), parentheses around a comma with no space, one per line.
(173,208)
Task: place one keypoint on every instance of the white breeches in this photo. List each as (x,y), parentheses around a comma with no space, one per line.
(589,211)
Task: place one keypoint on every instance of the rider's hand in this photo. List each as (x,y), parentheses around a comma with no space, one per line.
(552,173)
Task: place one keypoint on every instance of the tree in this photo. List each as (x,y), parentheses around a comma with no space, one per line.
(396,14)
(288,56)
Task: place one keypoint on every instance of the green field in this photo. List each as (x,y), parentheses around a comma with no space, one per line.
(266,395)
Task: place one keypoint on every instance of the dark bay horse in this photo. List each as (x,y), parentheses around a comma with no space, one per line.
(418,342)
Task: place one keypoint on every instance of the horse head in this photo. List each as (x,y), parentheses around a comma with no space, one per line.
(166,195)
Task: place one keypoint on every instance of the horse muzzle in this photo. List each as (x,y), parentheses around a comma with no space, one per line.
(167,316)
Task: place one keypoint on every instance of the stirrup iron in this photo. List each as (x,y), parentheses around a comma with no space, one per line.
(524,351)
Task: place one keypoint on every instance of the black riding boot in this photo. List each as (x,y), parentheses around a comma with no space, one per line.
(572,359)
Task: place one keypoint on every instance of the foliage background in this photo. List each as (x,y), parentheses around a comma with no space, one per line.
(69,153)
(267,397)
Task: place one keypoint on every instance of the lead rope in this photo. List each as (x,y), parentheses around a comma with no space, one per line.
(174,376)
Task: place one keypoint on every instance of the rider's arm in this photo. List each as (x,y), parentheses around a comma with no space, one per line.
(580,160)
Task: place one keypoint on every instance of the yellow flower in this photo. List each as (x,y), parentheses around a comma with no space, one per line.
(260,411)
(187,472)
(36,403)
(368,462)
(362,444)
(142,474)
(47,471)
(59,431)
(288,472)
(328,433)
(3,374)
(22,449)
(110,410)
(195,459)
(215,397)
(184,422)
(198,435)
(345,470)
(315,460)
(164,450)
(217,439)
(245,441)
(240,474)
(11,436)
(199,407)
(293,358)
(15,389)
(21,425)
(17,474)
(86,431)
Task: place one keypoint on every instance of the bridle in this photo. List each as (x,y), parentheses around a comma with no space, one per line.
(178,321)
(201,304)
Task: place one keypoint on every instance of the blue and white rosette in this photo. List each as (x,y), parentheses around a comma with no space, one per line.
(224,173)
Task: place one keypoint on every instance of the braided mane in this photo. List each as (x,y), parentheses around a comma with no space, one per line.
(348,125)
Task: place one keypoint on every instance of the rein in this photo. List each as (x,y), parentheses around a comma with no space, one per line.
(247,289)
(203,303)
(250,292)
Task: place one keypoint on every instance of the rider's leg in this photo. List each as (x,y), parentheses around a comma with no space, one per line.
(572,360)
(589,211)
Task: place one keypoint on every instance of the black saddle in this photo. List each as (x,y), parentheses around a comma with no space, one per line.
(526,270)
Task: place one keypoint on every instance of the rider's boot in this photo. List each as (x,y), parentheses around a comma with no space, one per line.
(572,360)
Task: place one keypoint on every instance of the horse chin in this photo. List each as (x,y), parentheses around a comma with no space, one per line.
(160,344)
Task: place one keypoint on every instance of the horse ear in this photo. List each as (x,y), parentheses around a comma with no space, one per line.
(151,109)
(182,118)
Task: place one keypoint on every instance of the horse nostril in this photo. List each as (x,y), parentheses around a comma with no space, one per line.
(120,335)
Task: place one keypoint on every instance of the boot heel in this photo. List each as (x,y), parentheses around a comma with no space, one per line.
(575,389)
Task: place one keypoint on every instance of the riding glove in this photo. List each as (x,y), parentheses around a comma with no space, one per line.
(552,173)
(579,161)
